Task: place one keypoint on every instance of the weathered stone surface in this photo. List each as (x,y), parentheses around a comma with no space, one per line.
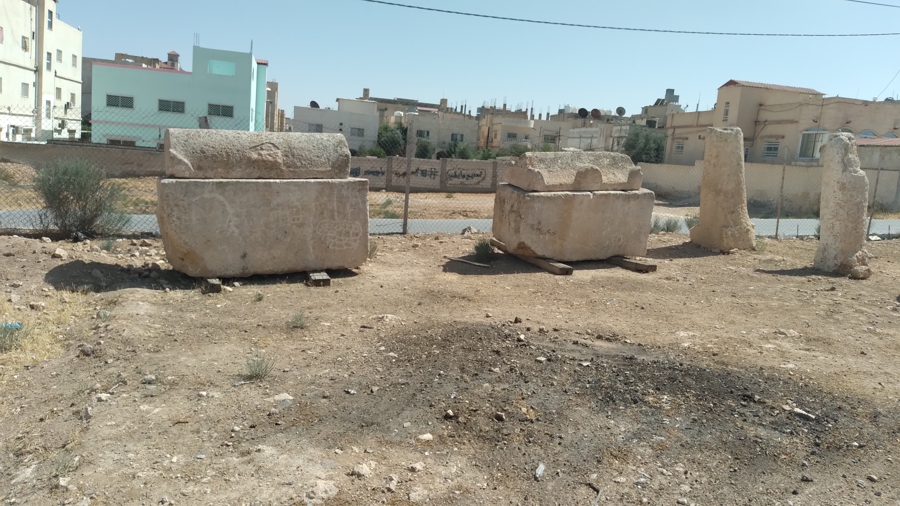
(574,171)
(724,222)
(228,154)
(842,211)
(572,226)
(240,227)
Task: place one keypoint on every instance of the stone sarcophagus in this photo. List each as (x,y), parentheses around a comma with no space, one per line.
(572,206)
(237,204)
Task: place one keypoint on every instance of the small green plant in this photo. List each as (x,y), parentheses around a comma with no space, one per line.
(484,252)
(64,463)
(450,195)
(79,198)
(259,366)
(691,221)
(11,335)
(391,215)
(108,245)
(659,225)
(373,249)
(298,321)
(258,297)
(386,204)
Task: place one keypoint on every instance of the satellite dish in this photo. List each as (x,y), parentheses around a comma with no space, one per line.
(313,104)
(620,111)
(595,113)
(582,113)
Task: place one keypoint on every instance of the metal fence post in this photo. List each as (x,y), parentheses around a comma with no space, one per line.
(780,196)
(874,201)
(410,153)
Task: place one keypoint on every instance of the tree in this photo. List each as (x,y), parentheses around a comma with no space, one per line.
(514,150)
(392,139)
(377,152)
(424,149)
(460,150)
(645,145)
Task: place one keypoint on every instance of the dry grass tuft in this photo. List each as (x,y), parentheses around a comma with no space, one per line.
(43,332)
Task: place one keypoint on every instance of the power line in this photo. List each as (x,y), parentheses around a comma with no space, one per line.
(628,29)
(874,3)
(888,84)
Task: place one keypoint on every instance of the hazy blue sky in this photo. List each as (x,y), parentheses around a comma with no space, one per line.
(324,49)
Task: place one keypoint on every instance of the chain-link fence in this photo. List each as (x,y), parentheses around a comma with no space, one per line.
(416,185)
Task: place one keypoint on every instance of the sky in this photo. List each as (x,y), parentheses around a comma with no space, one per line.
(325,49)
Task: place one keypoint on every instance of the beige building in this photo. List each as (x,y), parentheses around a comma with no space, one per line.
(275,119)
(780,123)
(356,119)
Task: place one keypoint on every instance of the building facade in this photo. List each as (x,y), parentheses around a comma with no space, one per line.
(87,71)
(356,119)
(275,119)
(781,124)
(40,72)
(134,105)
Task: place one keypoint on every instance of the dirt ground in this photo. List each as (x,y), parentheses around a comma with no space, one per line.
(719,379)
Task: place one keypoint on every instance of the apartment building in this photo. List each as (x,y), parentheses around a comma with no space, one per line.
(40,72)
(133,105)
(356,119)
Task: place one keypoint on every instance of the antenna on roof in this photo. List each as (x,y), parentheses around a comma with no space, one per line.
(196,39)
(251,46)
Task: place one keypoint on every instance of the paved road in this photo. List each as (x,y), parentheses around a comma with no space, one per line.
(26,219)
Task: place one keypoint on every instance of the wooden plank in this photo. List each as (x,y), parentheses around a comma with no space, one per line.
(551,266)
(463,260)
(319,279)
(633,264)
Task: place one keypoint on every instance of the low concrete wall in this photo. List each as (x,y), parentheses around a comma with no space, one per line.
(802,185)
(117,161)
(448,175)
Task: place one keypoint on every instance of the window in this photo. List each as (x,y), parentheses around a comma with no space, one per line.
(315,128)
(811,142)
(549,139)
(48,109)
(456,137)
(226,111)
(867,134)
(725,114)
(49,59)
(117,142)
(25,87)
(423,134)
(120,101)
(58,93)
(221,68)
(72,100)
(886,136)
(511,136)
(357,132)
(678,148)
(26,44)
(49,19)
(59,55)
(75,61)
(171,106)
(770,149)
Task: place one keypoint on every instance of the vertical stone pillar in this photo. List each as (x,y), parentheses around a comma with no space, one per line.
(842,211)
(724,222)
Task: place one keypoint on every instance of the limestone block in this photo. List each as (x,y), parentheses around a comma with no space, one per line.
(724,222)
(842,211)
(572,226)
(574,171)
(229,154)
(240,227)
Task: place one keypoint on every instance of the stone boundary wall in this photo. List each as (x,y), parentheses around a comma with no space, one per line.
(447,175)
(802,184)
(119,162)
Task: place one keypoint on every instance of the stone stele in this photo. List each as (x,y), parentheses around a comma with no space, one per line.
(842,211)
(724,222)
(227,154)
(240,227)
(574,171)
(573,226)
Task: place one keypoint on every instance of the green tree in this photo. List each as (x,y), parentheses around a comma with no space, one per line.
(392,139)
(424,149)
(514,150)
(486,154)
(644,145)
(460,150)
(79,198)
(377,152)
